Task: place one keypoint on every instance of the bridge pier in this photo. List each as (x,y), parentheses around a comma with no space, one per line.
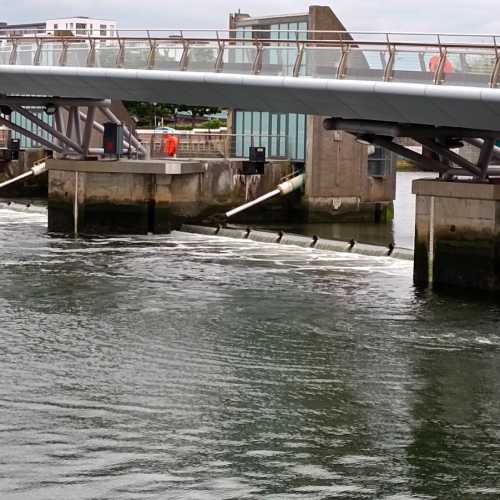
(457,237)
(154,196)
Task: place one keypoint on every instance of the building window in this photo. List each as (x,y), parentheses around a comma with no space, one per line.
(283,135)
(103,30)
(56,26)
(81,28)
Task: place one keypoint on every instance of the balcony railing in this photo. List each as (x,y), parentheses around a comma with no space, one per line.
(455,60)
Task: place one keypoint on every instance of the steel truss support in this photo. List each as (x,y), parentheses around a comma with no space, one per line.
(71,136)
(439,140)
(446,153)
(100,128)
(479,144)
(31,135)
(423,162)
(55,132)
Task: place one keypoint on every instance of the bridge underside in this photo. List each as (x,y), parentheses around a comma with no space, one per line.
(410,103)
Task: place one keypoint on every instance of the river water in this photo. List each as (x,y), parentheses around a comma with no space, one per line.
(194,367)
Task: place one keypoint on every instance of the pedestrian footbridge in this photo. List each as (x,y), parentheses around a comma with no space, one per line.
(435,80)
(438,86)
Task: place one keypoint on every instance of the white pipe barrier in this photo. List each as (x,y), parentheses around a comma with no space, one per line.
(37,169)
(283,189)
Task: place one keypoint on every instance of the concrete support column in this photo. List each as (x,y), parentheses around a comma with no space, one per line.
(457,234)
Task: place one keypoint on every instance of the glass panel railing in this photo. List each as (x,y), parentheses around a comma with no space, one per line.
(106,54)
(278,61)
(239,59)
(136,54)
(415,66)
(472,69)
(50,53)
(366,64)
(202,58)
(168,57)
(321,62)
(26,54)
(77,54)
(5,51)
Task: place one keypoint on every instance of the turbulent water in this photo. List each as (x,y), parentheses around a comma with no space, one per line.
(194,367)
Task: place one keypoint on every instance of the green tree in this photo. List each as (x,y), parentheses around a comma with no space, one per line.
(198,111)
(146,112)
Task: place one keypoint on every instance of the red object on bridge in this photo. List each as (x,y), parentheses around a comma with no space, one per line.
(434,64)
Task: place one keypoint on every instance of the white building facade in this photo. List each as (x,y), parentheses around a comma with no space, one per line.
(81,25)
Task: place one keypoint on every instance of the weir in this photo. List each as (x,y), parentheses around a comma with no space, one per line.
(354,85)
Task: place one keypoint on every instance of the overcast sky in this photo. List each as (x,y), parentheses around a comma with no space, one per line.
(465,16)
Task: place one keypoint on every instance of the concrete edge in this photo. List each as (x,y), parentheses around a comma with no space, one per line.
(303,241)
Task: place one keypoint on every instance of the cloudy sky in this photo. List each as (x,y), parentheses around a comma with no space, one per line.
(464,16)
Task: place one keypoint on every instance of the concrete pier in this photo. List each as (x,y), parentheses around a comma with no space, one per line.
(137,197)
(457,237)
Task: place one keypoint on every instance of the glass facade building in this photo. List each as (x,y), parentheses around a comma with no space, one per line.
(28,125)
(282,134)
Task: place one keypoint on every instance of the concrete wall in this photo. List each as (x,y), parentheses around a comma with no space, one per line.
(136,202)
(338,186)
(457,237)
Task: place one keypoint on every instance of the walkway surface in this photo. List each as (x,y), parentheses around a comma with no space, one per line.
(443,81)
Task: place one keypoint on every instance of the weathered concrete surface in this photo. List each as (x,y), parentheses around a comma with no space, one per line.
(125,197)
(338,187)
(457,236)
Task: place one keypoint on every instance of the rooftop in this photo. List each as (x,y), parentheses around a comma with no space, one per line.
(247,21)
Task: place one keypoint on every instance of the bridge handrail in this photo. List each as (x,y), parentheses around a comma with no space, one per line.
(341,38)
(181,32)
(432,58)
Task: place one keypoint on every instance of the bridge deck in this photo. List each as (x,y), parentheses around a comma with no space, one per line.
(448,83)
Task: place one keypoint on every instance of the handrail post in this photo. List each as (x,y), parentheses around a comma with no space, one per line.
(38,52)
(298,61)
(219,62)
(442,53)
(120,58)
(13,53)
(91,55)
(439,76)
(64,53)
(496,68)
(257,63)
(183,63)
(388,70)
(153,45)
(341,69)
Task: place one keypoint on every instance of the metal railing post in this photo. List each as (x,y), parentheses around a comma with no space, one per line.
(91,55)
(13,53)
(390,62)
(496,68)
(152,52)
(64,54)
(183,63)
(257,63)
(120,58)
(38,53)
(341,69)
(219,62)
(298,61)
